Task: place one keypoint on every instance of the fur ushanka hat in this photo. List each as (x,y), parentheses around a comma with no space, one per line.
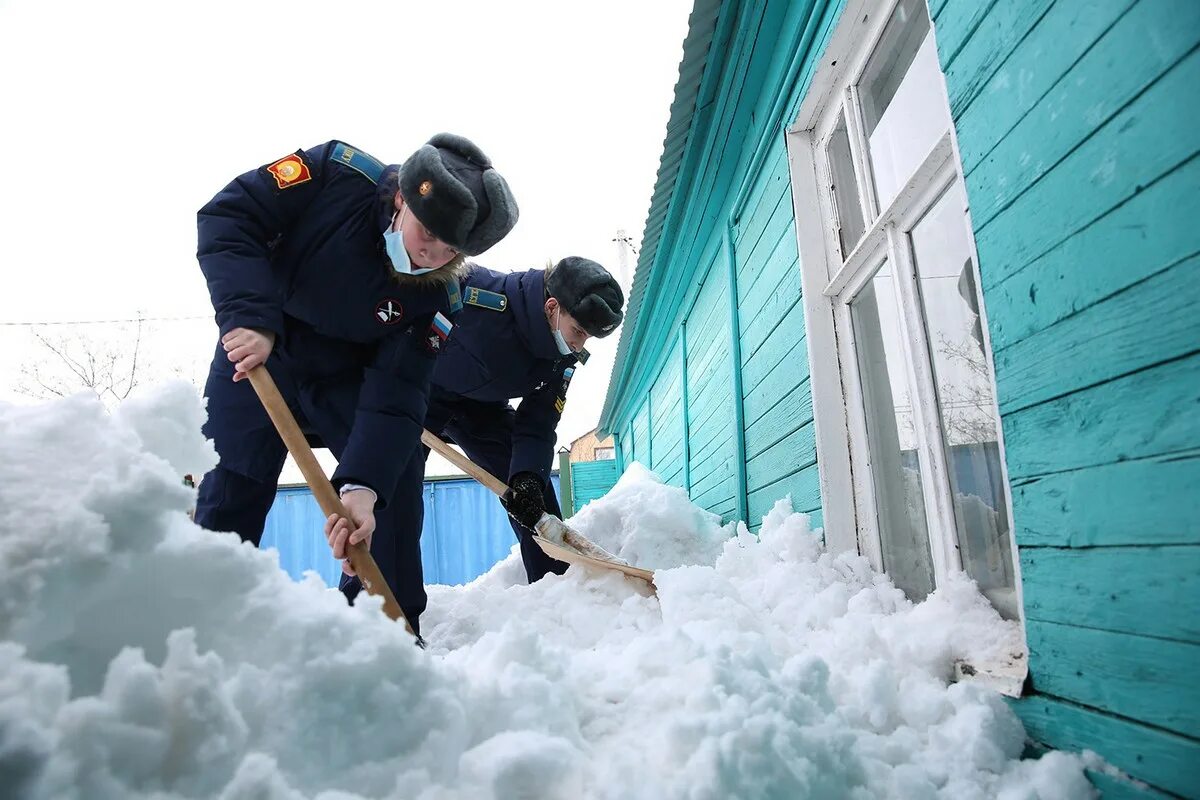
(455,192)
(588,293)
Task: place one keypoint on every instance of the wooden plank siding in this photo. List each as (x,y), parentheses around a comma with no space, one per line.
(1079,135)
(1133,748)
(1080,147)
(727,276)
(779,437)
(666,421)
(710,415)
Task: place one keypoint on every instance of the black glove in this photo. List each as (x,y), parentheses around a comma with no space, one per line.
(523,500)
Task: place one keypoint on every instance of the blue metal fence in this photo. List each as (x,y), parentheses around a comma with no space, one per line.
(465,532)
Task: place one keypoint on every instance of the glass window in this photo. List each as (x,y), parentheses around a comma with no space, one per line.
(845,189)
(924,460)
(892,436)
(966,403)
(903,98)
(604,453)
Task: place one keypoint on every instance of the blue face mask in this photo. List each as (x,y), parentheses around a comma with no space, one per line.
(393,240)
(564,349)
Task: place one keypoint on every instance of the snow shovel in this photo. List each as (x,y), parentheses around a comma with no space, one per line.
(285,423)
(555,537)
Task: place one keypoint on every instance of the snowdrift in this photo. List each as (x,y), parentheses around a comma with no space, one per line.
(143,657)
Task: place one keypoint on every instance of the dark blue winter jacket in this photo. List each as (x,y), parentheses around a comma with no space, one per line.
(296,247)
(497,355)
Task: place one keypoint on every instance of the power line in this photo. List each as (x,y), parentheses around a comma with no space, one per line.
(104,321)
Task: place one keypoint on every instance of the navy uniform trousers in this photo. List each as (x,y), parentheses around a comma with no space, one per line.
(230,500)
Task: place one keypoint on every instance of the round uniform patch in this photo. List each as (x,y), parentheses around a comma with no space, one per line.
(389,312)
(288,170)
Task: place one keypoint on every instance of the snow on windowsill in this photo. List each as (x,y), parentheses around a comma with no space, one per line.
(1005,675)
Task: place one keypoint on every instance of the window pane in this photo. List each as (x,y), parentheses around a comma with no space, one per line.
(845,189)
(904,105)
(892,436)
(966,398)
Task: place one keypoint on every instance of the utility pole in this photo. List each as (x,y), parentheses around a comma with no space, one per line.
(624,271)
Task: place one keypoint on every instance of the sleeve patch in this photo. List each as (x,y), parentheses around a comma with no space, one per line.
(290,171)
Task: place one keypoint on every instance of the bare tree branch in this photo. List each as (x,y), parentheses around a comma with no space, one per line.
(968,410)
(133,362)
(106,367)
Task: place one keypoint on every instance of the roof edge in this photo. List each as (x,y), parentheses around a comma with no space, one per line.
(697,45)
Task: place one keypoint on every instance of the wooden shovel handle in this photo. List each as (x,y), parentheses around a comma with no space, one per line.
(490,481)
(360,555)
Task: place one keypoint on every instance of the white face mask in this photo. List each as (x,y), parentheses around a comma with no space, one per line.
(564,349)
(393,241)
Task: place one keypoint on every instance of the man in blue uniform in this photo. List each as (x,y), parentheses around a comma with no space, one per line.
(520,335)
(339,274)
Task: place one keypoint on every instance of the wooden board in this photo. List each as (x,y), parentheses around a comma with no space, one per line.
(1166,760)
(1148,591)
(1142,678)
(1147,501)
(571,557)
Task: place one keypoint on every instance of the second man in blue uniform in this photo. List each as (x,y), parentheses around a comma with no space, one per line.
(521,336)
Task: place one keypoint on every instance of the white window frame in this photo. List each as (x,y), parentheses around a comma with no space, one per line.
(829,285)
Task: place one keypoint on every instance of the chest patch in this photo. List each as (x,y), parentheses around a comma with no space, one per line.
(389,312)
(438,333)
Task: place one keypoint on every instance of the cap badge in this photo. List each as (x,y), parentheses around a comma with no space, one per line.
(425,188)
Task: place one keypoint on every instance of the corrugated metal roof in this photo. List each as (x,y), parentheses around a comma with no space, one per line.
(702,24)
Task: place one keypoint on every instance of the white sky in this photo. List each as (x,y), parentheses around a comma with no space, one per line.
(120,119)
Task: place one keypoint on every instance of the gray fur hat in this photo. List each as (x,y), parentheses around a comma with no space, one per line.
(588,293)
(454,191)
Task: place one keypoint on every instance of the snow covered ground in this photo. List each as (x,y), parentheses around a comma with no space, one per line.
(141,657)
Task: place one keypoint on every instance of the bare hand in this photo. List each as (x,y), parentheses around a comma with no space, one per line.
(342,533)
(247,348)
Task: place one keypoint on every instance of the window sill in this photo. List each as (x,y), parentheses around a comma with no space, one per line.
(1004,675)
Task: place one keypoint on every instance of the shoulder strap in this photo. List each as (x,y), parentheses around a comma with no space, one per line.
(485,299)
(368,166)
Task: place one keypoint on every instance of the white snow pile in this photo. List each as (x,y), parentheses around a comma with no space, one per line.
(141,657)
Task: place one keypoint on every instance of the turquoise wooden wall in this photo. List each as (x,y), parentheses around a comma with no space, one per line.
(1079,130)
(1079,134)
(780,445)
(721,405)
(710,416)
(592,479)
(667,420)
